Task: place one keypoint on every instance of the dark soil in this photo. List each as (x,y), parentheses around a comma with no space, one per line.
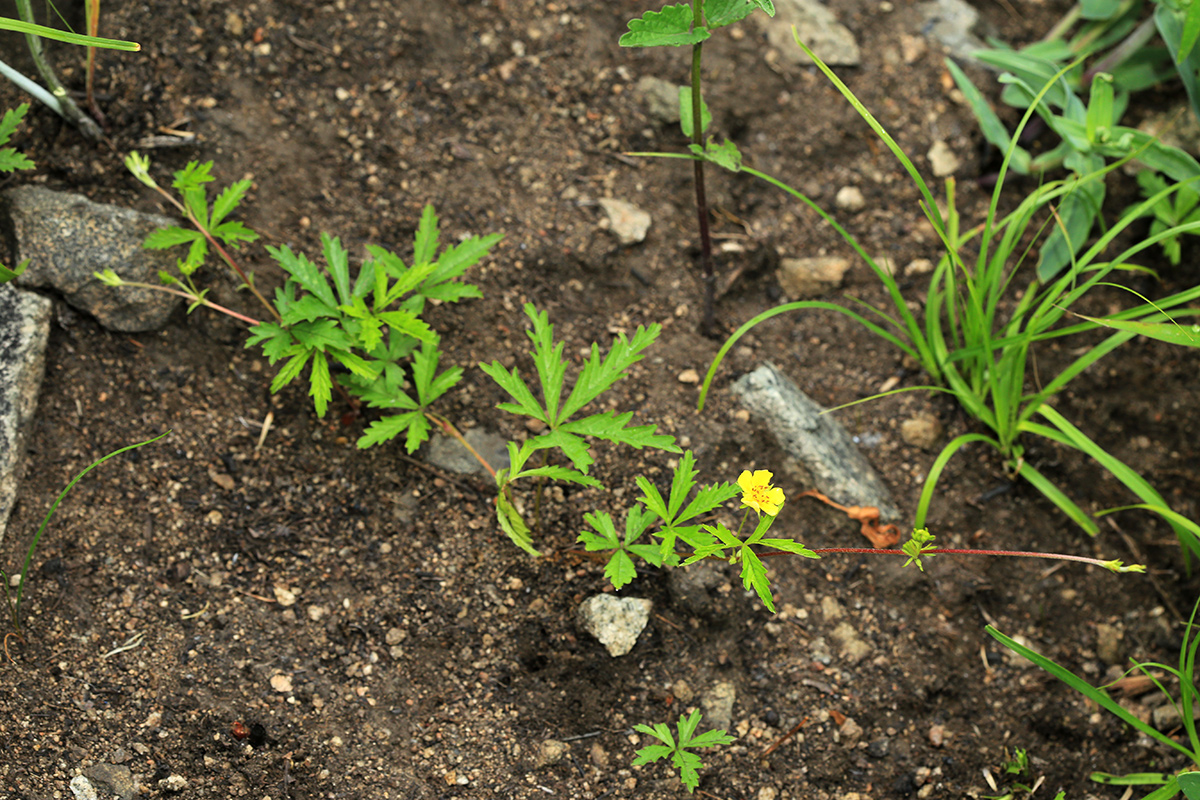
(308,620)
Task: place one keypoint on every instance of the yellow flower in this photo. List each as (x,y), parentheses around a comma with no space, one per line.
(758,493)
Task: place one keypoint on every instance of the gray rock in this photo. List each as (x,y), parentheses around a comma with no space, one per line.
(951,23)
(850,732)
(24,327)
(67,238)
(803,278)
(615,621)
(117,779)
(817,27)
(448,453)
(550,752)
(818,442)
(628,222)
(660,99)
(717,705)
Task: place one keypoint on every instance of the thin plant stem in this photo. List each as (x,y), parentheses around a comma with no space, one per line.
(93,29)
(67,107)
(194,298)
(706,259)
(951,551)
(27,85)
(448,428)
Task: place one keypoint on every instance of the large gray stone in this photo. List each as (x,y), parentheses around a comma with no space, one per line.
(952,23)
(24,327)
(67,238)
(817,441)
(449,454)
(615,621)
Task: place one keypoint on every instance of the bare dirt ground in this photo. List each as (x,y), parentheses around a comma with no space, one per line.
(312,621)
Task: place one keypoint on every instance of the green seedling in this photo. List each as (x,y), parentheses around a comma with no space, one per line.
(1167,213)
(13,598)
(359,332)
(679,750)
(11,160)
(564,431)
(1015,767)
(1167,785)
(691,25)
(977,345)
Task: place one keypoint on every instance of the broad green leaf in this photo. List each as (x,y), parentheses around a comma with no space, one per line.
(686,118)
(1077,215)
(1100,108)
(724,155)
(1191,31)
(1099,9)
(672,26)
(1189,782)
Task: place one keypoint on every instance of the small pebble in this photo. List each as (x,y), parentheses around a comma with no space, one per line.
(281,683)
(937,735)
(850,198)
(689,376)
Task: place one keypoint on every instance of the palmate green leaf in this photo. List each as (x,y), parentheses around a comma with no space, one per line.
(322,335)
(193,176)
(307,309)
(455,261)
(549,361)
(288,372)
(672,26)
(409,324)
(233,233)
(572,446)
(708,499)
(754,574)
(10,159)
(688,763)
(651,498)
(274,338)
(603,535)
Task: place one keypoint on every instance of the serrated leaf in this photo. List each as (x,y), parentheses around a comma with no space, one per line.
(307,309)
(387,428)
(355,364)
(573,447)
(272,334)
(687,726)
(597,374)
(672,26)
(11,160)
(605,531)
(610,426)
(233,233)
(620,570)
(652,498)
(409,324)
(682,483)
(11,119)
(651,753)
(322,385)
(455,261)
(228,200)
(788,546)
(754,574)
(338,262)
(322,335)
(513,525)
(304,272)
(559,474)
(511,382)
(165,238)
(711,738)
(426,239)
(708,499)
(288,372)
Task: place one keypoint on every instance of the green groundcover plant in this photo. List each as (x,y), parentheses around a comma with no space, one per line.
(10,161)
(975,339)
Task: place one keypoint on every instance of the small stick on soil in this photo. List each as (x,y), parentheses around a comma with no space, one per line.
(784,738)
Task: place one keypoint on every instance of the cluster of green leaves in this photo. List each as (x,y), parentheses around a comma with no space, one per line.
(208,221)
(673,26)
(1167,785)
(369,323)
(1016,767)
(10,160)
(563,431)
(679,750)
(980,355)
(1117,38)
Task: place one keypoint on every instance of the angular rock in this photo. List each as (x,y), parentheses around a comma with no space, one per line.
(628,222)
(449,454)
(922,430)
(717,705)
(851,647)
(850,198)
(82,789)
(67,238)
(615,621)
(952,23)
(838,469)
(803,278)
(117,779)
(942,160)
(817,27)
(24,327)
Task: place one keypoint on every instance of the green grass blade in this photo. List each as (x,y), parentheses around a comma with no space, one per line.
(939,464)
(1056,496)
